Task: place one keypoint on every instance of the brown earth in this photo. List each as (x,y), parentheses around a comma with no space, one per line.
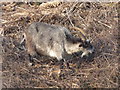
(98,20)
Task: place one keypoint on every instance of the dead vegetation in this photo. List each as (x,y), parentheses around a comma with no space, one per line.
(99,20)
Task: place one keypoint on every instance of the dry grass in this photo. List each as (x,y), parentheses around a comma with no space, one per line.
(98,20)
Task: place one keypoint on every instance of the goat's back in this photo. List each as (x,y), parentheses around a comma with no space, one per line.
(44,36)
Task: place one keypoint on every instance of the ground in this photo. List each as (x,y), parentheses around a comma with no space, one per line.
(98,20)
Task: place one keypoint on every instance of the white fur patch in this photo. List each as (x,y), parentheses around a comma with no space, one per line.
(51,53)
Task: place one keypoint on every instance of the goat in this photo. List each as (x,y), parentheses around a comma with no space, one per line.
(55,41)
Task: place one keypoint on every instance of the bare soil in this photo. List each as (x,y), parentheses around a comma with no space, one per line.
(98,20)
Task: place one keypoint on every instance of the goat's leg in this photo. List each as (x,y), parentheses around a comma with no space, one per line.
(32,55)
(31,61)
(63,63)
(30,50)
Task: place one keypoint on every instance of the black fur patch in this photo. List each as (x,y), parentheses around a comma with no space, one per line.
(50,43)
(72,39)
(37,29)
(87,45)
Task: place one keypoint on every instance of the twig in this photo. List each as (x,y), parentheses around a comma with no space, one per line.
(42,18)
(69,13)
(109,54)
(23,9)
(108,67)
(72,7)
(82,20)
(103,23)
(3,21)
(70,20)
(112,81)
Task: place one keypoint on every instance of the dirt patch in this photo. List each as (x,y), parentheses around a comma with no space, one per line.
(99,20)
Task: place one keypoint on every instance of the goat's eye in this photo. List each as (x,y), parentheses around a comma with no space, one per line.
(80,45)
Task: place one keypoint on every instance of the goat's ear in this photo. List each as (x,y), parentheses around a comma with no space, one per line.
(72,39)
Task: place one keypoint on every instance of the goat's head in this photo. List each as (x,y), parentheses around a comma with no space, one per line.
(85,45)
(86,48)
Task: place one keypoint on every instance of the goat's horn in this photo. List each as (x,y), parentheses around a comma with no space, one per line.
(83,34)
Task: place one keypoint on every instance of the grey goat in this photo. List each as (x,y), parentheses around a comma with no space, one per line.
(54,41)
